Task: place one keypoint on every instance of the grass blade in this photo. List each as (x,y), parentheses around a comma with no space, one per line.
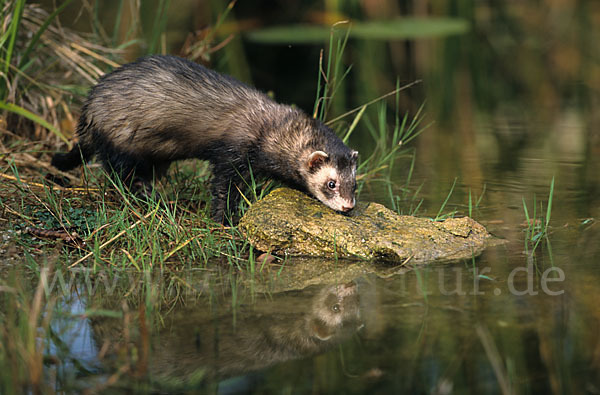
(41,31)
(13,28)
(549,208)
(446,200)
(395,91)
(354,123)
(32,117)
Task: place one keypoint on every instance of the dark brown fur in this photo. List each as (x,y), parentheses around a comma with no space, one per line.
(145,115)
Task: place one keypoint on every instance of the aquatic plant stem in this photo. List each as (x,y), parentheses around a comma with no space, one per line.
(395,91)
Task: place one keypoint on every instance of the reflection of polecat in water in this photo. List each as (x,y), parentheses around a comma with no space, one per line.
(197,345)
(259,340)
(145,115)
(334,314)
(291,326)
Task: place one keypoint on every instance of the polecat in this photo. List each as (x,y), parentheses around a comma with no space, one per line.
(159,109)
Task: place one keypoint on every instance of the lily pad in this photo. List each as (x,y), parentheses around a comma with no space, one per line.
(407,28)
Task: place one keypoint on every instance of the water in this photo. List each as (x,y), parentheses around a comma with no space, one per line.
(528,324)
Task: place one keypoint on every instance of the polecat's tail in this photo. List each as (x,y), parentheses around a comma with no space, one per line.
(67,161)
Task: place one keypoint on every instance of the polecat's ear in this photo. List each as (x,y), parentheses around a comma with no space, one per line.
(316,159)
(354,155)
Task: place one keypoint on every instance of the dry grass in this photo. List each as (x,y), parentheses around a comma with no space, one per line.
(50,81)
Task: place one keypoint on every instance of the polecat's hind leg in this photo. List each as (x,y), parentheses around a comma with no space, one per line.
(144,176)
(135,172)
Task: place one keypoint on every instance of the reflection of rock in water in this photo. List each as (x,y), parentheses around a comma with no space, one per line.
(293,325)
(258,340)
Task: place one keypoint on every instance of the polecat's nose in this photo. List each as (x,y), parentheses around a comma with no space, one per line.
(346,208)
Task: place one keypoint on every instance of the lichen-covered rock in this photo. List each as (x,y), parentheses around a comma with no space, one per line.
(287,222)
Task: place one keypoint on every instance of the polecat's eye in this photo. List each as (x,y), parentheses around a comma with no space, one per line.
(331,184)
(335,308)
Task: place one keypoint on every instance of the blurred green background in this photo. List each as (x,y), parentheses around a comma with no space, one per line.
(512,71)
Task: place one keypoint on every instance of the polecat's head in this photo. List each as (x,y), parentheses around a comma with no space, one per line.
(331,178)
(335,311)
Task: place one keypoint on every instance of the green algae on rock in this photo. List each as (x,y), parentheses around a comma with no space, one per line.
(288,222)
